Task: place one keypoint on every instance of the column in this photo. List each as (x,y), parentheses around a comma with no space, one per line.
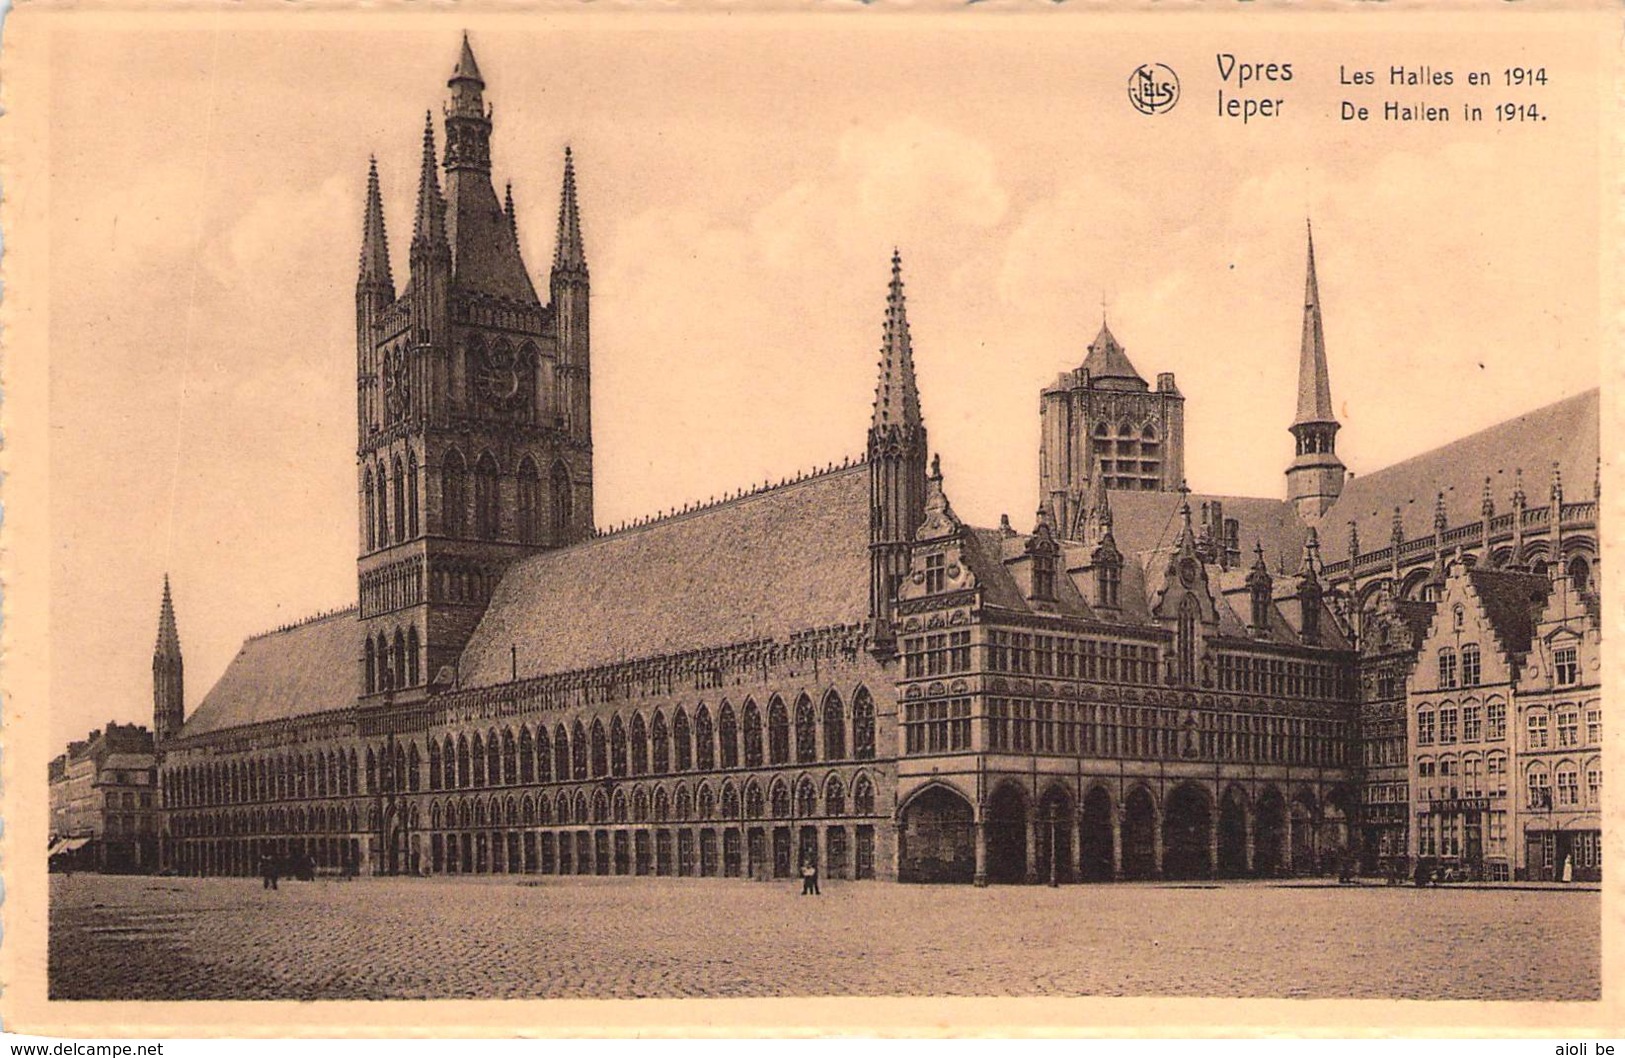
(1117,844)
(1249,826)
(1077,846)
(1156,845)
(1032,849)
(981,854)
(1286,850)
(1213,845)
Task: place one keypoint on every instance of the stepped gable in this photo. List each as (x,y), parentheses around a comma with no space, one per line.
(783,560)
(296,671)
(1566,433)
(1513,603)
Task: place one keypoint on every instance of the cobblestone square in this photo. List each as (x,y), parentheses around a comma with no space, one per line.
(227,938)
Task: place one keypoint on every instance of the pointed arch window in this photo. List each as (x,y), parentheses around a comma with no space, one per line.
(487,498)
(730,801)
(578,751)
(753,735)
(561,503)
(400,660)
(617,748)
(682,749)
(753,800)
(704,741)
(834,797)
(370,513)
(561,753)
(778,732)
(371,663)
(412,494)
(863,797)
(529,487)
(728,737)
(399,478)
(413,766)
(660,745)
(863,726)
(454,494)
(477,754)
(640,745)
(527,762)
(806,798)
(834,727)
(412,656)
(600,750)
(544,756)
(780,798)
(806,731)
(510,758)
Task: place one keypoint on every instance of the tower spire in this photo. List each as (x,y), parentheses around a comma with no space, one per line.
(374,271)
(507,207)
(168,673)
(568,254)
(1314,383)
(429,225)
(897,395)
(1315,476)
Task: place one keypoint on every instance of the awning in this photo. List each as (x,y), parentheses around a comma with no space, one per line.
(68,845)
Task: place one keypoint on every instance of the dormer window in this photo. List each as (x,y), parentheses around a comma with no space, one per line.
(1109,584)
(936,574)
(1043,576)
(1566,665)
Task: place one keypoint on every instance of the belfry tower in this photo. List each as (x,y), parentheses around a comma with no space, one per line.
(896,456)
(168,674)
(1315,478)
(474,443)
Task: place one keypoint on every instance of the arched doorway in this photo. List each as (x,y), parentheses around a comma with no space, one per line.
(1336,839)
(1269,833)
(1305,847)
(1095,831)
(938,838)
(1007,835)
(1233,834)
(1139,835)
(1055,835)
(1187,828)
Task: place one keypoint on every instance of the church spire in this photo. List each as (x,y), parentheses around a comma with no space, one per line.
(897,396)
(168,673)
(1315,476)
(429,223)
(1314,383)
(568,254)
(374,272)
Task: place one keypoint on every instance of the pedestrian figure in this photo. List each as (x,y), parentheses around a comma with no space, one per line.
(1568,869)
(268,872)
(809,879)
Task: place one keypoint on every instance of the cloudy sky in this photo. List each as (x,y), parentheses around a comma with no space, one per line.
(742,187)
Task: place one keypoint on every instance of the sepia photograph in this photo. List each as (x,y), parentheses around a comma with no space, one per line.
(585,505)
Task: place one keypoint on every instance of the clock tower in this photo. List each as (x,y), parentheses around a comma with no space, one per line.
(474,443)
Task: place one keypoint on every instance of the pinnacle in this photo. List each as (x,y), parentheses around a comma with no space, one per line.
(374,243)
(429,226)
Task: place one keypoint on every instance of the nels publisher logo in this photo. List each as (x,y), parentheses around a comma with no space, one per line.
(1153,88)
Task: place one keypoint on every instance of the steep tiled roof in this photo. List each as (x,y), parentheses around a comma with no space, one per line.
(1565,433)
(309,668)
(791,558)
(1107,360)
(1512,601)
(484,252)
(1149,522)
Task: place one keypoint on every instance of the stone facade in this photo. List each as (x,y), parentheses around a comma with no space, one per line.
(837,668)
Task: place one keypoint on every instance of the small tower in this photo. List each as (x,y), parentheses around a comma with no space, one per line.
(1315,478)
(168,674)
(897,477)
(1261,593)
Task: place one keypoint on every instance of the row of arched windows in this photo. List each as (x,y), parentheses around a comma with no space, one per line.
(391,502)
(638,747)
(483,516)
(658,746)
(803,799)
(392,663)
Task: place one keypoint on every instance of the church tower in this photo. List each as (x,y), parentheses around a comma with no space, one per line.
(168,674)
(474,443)
(896,456)
(1102,426)
(1315,478)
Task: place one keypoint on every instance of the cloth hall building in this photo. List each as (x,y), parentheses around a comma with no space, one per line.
(1143,682)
